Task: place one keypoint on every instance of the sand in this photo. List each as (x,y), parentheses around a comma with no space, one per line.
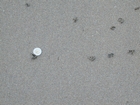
(83,62)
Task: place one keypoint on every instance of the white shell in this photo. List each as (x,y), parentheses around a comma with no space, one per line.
(37,51)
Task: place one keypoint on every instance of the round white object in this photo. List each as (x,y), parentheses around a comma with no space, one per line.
(37,51)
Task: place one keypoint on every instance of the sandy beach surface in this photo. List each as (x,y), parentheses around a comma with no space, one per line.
(90,52)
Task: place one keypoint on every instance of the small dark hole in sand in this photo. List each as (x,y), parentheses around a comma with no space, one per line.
(91,58)
(113,28)
(75,19)
(137,8)
(110,55)
(121,20)
(131,52)
(27,5)
(34,56)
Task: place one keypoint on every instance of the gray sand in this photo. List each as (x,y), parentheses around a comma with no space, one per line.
(70,33)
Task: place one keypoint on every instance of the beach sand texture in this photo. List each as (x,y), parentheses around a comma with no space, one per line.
(90,52)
